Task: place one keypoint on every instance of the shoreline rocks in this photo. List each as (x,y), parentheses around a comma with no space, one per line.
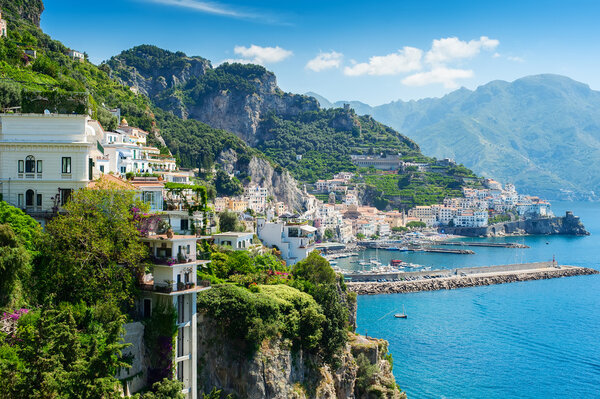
(402,287)
(565,225)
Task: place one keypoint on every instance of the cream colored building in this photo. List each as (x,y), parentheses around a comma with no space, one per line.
(45,157)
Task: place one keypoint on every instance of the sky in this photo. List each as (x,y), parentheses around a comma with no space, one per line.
(370,51)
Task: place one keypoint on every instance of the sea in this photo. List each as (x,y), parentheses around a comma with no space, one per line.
(534,339)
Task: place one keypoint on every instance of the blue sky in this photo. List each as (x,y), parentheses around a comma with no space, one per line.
(376,51)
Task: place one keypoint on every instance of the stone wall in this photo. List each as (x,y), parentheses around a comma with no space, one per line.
(134,378)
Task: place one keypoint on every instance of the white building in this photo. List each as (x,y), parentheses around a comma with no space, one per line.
(76,55)
(45,157)
(294,240)
(237,241)
(173,282)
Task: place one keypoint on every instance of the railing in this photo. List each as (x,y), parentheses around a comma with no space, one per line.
(170,261)
(167,289)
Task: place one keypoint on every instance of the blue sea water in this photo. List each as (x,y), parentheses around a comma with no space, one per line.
(535,339)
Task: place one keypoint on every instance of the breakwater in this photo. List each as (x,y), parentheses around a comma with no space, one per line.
(463,278)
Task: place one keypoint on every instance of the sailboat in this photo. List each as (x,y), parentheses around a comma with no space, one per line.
(401,315)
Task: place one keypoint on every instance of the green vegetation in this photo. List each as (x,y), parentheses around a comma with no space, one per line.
(499,219)
(79,277)
(67,351)
(93,252)
(228,221)
(308,307)
(326,139)
(415,225)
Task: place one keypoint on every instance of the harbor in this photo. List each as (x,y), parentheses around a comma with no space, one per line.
(432,280)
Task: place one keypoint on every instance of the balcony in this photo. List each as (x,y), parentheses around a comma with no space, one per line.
(168,261)
(170,288)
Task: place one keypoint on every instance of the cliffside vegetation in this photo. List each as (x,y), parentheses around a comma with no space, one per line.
(69,290)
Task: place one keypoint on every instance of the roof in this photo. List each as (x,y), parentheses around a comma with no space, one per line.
(163,237)
(110,181)
(234,234)
(308,228)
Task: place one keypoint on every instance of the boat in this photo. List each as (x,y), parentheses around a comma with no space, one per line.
(396,262)
(401,315)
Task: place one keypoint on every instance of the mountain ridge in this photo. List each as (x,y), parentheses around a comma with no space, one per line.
(540,132)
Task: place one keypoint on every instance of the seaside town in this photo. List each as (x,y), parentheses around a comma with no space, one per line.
(216,245)
(45,157)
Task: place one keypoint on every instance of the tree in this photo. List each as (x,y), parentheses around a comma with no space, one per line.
(227,186)
(68,351)
(10,95)
(314,269)
(416,224)
(228,221)
(165,389)
(93,251)
(328,234)
(14,267)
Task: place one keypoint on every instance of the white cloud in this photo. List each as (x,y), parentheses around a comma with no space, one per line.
(237,61)
(443,75)
(259,55)
(452,48)
(325,61)
(515,59)
(205,6)
(406,60)
(496,55)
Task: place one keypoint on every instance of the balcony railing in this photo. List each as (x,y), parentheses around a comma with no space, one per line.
(167,289)
(170,261)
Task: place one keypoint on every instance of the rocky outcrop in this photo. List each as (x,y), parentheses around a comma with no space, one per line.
(151,82)
(566,225)
(240,112)
(30,10)
(276,371)
(401,287)
(278,181)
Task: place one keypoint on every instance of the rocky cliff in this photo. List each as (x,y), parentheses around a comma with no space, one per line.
(230,97)
(566,225)
(276,371)
(30,10)
(279,183)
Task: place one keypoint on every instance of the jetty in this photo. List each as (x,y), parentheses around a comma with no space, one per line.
(448,251)
(483,244)
(446,279)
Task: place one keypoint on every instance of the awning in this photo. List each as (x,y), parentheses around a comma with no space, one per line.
(309,229)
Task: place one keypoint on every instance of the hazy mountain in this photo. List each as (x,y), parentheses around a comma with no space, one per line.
(540,132)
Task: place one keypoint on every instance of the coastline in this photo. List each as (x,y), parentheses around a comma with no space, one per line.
(469,280)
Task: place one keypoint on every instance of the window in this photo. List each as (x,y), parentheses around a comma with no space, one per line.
(102,168)
(66,165)
(123,169)
(38,201)
(20,200)
(39,166)
(21,166)
(29,194)
(30,164)
(184,224)
(65,195)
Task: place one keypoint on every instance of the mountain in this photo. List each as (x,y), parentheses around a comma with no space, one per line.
(291,129)
(541,132)
(52,80)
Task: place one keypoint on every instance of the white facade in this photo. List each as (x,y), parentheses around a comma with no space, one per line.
(174,282)
(237,241)
(294,240)
(44,158)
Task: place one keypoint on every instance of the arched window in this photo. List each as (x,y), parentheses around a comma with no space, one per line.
(30,164)
(29,194)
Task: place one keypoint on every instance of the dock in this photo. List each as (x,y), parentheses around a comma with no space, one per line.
(405,282)
(483,244)
(448,251)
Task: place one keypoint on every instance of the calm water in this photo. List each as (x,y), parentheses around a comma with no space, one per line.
(535,339)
